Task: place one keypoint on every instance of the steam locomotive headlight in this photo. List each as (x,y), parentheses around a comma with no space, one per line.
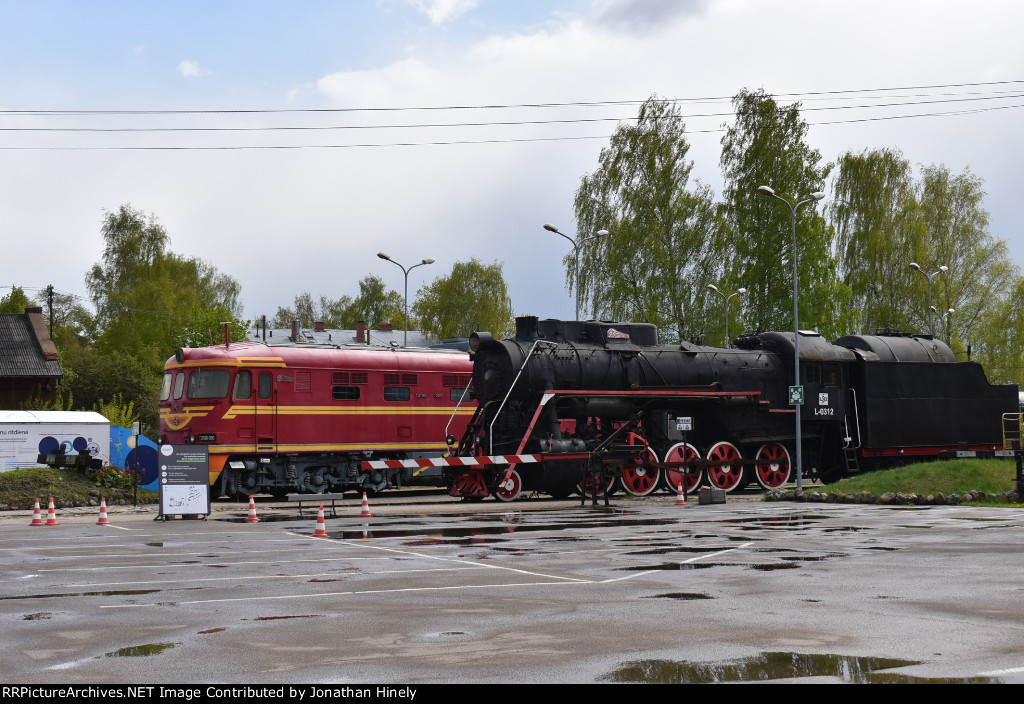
(478,340)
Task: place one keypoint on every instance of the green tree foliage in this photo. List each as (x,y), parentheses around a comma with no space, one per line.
(375,305)
(70,317)
(150,301)
(95,379)
(15,302)
(766,145)
(879,231)
(981,274)
(666,237)
(999,343)
(473,297)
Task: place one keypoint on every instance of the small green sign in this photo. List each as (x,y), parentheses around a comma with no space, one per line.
(796,395)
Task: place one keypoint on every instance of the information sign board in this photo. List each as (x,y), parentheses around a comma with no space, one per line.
(184,481)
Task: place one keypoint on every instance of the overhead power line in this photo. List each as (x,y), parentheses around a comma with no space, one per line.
(865,102)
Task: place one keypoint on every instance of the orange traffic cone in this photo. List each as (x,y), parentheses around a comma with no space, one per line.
(680,497)
(37,516)
(103,513)
(51,515)
(251,518)
(321,530)
(366,508)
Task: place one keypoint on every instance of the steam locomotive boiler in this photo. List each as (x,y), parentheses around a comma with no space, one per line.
(565,399)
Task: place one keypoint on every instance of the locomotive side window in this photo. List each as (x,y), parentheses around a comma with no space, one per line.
(179,385)
(346,393)
(212,383)
(165,390)
(456,395)
(264,385)
(812,374)
(830,374)
(397,393)
(243,384)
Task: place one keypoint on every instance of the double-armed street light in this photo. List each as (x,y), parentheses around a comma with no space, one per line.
(737,292)
(931,309)
(576,249)
(405,271)
(798,400)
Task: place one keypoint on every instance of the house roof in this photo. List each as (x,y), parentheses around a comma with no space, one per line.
(26,349)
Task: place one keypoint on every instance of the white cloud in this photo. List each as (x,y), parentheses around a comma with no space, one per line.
(441,11)
(190,69)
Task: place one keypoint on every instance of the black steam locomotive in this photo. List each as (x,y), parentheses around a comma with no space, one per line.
(605,400)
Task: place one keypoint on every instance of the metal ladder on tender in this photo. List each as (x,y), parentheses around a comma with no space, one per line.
(849,448)
(1012,424)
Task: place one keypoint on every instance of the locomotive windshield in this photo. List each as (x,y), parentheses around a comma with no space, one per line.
(211,383)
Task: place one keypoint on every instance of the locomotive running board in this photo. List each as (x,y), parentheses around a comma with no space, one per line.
(693,395)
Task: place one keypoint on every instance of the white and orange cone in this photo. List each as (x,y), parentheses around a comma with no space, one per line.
(321,528)
(251,518)
(37,515)
(366,508)
(51,515)
(103,513)
(680,496)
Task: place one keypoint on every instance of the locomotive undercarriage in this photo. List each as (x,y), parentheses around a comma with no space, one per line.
(646,453)
(302,474)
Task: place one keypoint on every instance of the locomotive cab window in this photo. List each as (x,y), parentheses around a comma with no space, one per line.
(243,384)
(264,385)
(179,385)
(165,389)
(397,393)
(211,383)
(346,393)
(822,374)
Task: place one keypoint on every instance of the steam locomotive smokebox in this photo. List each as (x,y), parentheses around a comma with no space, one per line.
(707,495)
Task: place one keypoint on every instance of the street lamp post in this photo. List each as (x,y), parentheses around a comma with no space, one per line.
(405,271)
(727,298)
(814,197)
(931,309)
(576,249)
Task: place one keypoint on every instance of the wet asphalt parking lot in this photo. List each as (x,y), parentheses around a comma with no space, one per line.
(535,591)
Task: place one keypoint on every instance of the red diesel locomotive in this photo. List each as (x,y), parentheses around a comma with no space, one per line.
(301,418)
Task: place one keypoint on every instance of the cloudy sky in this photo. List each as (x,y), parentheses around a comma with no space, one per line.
(288,143)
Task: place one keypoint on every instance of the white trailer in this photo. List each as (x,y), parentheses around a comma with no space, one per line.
(24,435)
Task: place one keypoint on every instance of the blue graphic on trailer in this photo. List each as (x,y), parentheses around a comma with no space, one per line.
(124,453)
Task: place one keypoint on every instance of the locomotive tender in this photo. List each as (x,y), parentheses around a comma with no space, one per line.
(597,398)
(303,417)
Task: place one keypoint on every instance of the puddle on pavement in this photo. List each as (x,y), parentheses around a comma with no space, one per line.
(283,618)
(474,534)
(125,592)
(41,616)
(776,666)
(666,551)
(776,522)
(684,596)
(678,566)
(139,651)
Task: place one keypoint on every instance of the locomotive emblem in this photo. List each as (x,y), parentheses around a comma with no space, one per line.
(823,399)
